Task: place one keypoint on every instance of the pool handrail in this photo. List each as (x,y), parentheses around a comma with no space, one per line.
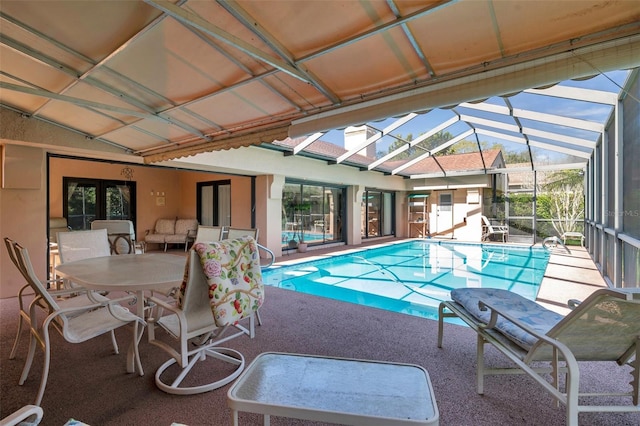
(271,253)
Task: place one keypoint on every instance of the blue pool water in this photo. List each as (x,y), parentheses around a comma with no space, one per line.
(308,236)
(414,277)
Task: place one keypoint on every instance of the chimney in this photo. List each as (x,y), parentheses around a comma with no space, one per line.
(356,135)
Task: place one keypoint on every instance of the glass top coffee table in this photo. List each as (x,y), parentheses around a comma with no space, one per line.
(335,390)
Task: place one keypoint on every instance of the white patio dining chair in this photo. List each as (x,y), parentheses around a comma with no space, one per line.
(233,233)
(76,324)
(65,298)
(223,284)
(121,234)
(78,245)
(209,233)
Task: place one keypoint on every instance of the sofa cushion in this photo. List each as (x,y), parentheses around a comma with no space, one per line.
(155,238)
(524,310)
(184,226)
(165,226)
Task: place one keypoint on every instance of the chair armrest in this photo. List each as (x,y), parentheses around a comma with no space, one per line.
(163,303)
(27,415)
(567,355)
(109,304)
(573,303)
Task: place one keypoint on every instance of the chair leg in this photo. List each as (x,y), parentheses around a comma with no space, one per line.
(14,349)
(114,342)
(137,336)
(45,368)
(27,363)
(227,355)
(480,365)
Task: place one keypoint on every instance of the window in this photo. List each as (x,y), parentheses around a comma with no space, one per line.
(88,199)
(311,214)
(377,214)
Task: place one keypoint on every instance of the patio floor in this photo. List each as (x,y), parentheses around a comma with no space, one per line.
(88,383)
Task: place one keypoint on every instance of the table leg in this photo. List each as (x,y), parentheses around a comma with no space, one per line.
(234,417)
(132,357)
(267,420)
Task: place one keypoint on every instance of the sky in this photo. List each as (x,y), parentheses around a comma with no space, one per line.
(611,82)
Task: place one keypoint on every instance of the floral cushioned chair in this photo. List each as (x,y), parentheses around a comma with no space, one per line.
(222,285)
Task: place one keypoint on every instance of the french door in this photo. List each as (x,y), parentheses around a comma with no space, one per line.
(85,200)
(214,203)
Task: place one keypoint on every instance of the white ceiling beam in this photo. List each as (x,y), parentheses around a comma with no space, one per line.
(388,157)
(555,148)
(79,102)
(390,128)
(451,173)
(576,93)
(484,106)
(560,120)
(308,141)
(536,116)
(542,168)
(558,137)
(539,144)
(490,123)
(529,131)
(416,141)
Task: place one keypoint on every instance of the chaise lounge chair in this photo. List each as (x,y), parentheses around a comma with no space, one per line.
(604,327)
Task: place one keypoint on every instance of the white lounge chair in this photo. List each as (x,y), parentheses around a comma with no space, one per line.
(604,327)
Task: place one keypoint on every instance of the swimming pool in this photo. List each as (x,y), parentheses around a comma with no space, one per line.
(414,277)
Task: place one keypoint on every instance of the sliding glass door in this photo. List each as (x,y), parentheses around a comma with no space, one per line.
(311,214)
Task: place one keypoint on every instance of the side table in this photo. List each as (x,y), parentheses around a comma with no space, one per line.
(337,390)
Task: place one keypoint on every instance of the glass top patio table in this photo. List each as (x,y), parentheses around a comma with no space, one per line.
(130,272)
(338,390)
(135,272)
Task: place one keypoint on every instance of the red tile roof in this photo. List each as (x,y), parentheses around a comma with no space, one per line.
(490,158)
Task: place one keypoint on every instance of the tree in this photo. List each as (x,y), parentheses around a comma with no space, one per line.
(420,148)
(566,199)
